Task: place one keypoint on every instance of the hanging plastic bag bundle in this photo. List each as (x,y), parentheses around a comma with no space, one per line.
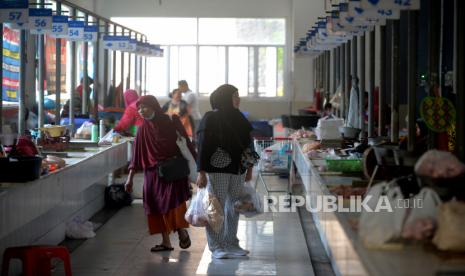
(250,203)
(196,214)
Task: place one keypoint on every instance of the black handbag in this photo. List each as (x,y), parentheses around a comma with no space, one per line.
(173,169)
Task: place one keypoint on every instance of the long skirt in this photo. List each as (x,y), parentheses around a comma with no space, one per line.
(165,202)
(169,222)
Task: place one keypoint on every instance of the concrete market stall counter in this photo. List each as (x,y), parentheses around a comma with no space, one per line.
(338,232)
(36,212)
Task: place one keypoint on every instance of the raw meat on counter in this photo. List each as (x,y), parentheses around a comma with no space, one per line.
(311,146)
(347,191)
(313,154)
(301,133)
(420,229)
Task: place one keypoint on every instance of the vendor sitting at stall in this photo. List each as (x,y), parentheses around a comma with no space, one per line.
(328,110)
(77,99)
(131,116)
(421,139)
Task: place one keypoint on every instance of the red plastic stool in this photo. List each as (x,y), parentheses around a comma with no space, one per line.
(36,259)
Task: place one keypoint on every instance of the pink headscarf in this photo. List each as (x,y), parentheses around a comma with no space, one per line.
(130,97)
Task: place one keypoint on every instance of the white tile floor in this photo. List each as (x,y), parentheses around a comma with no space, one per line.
(122,247)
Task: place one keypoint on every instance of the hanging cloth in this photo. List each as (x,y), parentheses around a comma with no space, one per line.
(353,119)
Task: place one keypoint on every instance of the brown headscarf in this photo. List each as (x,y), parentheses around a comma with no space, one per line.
(150,101)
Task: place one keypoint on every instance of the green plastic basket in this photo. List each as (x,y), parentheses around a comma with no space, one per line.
(344,165)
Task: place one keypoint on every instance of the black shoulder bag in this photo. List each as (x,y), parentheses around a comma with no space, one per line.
(173,169)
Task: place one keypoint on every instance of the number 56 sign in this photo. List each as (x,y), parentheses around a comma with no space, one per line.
(40,21)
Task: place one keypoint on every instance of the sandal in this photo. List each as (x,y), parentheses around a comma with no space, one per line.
(161,247)
(184,242)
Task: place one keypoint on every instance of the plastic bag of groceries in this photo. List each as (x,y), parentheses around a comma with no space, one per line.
(84,131)
(196,214)
(376,229)
(215,212)
(108,138)
(439,164)
(250,203)
(79,229)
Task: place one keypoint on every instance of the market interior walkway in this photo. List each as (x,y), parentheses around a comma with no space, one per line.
(122,247)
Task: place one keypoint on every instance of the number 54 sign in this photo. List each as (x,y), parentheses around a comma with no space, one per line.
(75,30)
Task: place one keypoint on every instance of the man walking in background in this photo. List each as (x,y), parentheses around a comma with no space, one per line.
(192,101)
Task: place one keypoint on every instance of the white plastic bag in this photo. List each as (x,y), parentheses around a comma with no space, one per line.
(451,226)
(84,131)
(377,228)
(429,201)
(107,139)
(250,203)
(196,214)
(328,128)
(182,145)
(439,164)
(79,229)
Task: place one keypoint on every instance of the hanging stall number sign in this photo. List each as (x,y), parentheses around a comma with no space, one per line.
(159,52)
(90,33)
(132,45)
(140,48)
(153,51)
(115,42)
(14,11)
(355,9)
(75,30)
(59,26)
(145,49)
(40,21)
(390,4)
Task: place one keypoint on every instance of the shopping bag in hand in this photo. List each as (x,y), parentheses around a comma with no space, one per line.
(196,215)
(250,203)
(214,212)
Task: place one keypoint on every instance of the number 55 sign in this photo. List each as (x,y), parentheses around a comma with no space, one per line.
(40,21)
(59,26)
